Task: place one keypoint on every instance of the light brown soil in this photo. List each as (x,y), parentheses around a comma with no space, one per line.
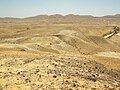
(55,55)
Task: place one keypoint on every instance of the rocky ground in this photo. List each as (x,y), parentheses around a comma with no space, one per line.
(55,72)
(59,55)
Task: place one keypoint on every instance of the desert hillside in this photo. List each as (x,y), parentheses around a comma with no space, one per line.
(58,52)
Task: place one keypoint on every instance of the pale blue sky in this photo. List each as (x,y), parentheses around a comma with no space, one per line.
(25,8)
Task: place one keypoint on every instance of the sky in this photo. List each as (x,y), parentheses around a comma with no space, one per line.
(26,8)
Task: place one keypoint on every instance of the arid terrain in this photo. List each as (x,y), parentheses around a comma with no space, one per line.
(58,52)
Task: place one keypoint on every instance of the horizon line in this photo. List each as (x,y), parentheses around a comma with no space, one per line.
(59,14)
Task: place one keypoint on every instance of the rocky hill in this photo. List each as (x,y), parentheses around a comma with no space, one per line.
(58,52)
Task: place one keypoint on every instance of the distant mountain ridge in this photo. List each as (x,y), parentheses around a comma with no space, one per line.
(112,16)
(64,16)
(60,16)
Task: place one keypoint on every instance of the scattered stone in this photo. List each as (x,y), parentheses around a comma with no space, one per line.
(54,76)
